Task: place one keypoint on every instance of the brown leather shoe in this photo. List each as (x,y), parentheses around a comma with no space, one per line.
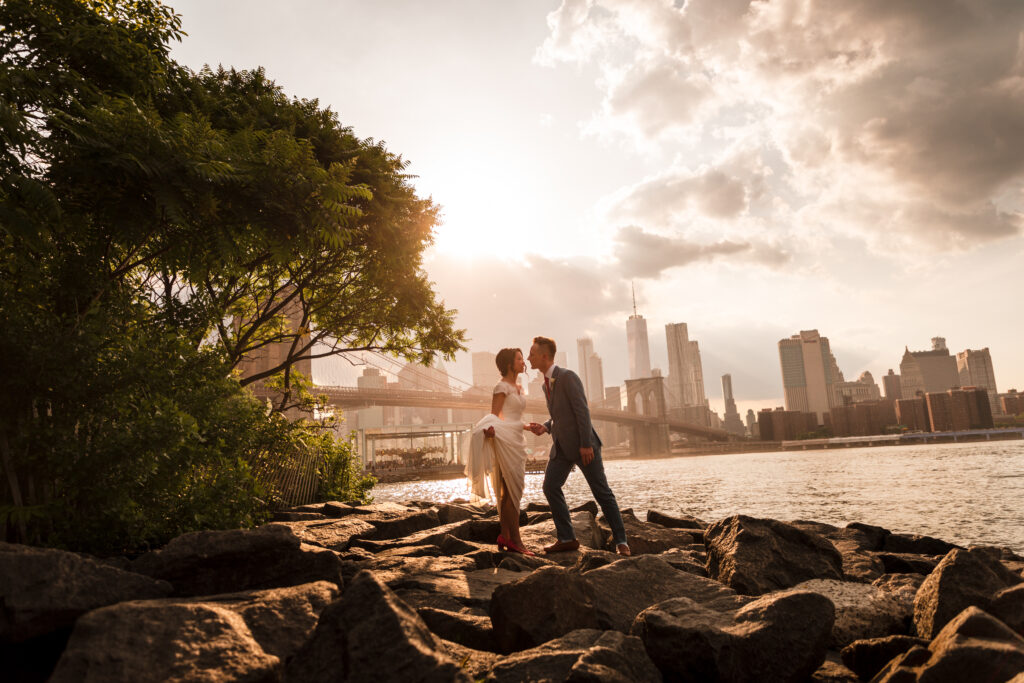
(562,546)
(623,549)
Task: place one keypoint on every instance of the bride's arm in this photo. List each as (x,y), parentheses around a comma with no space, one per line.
(497,402)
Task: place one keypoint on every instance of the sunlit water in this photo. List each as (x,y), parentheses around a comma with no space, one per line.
(964,493)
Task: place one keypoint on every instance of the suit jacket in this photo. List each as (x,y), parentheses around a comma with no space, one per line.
(569,425)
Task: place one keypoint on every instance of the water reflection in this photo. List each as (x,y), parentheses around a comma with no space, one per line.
(964,493)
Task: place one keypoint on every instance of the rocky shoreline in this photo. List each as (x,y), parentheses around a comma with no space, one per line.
(418,592)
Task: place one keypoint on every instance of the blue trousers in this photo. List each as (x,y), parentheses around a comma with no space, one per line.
(557,472)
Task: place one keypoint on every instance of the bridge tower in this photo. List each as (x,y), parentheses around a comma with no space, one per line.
(646,396)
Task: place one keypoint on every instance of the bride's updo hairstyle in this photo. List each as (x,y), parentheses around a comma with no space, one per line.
(505,359)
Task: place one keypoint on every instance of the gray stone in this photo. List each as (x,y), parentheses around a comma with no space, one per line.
(583,655)
(334,534)
(862,611)
(44,590)
(874,535)
(962,579)
(213,562)
(677,521)
(689,561)
(471,588)
(588,533)
(474,663)
(903,588)
(645,538)
(832,670)
(547,604)
(918,545)
(782,637)
(472,630)
(448,513)
(869,656)
(371,635)
(1008,606)
(905,563)
(755,556)
(854,544)
(973,646)
(150,640)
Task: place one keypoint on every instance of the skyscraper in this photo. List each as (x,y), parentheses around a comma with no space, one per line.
(975,369)
(686,375)
(636,341)
(893,386)
(584,350)
(595,378)
(809,373)
(732,422)
(928,371)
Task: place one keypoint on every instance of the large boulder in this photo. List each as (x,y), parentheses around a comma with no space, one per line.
(44,590)
(152,640)
(371,635)
(584,655)
(973,646)
(470,588)
(963,578)
(907,563)
(782,637)
(335,534)
(547,604)
(212,562)
(677,521)
(869,656)
(621,590)
(472,630)
(1008,606)
(862,611)
(646,538)
(756,556)
(588,533)
(859,564)
(903,589)
(832,670)
(281,620)
(918,545)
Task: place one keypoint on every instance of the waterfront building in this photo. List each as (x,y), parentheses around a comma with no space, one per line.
(591,370)
(928,371)
(865,418)
(1012,403)
(638,347)
(940,414)
(752,431)
(785,425)
(685,371)
(863,389)
(975,400)
(809,373)
(732,422)
(912,413)
(893,386)
(975,370)
(485,372)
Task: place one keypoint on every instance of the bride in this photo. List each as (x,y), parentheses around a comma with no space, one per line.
(498,448)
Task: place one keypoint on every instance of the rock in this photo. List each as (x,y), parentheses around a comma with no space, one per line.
(371,635)
(780,637)
(869,656)
(679,521)
(397,526)
(645,538)
(588,533)
(44,590)
(973,646)
(898,563)
(689,561)
(962,579)
(861,611)
(474,530)
(903,588)
(150,640)
(914,544)
(755,556)
(332,508)
(393,570)
(280,619)
(623,589)
(519,623)
(448,513)
(874,535)
(582,655)
(450,545)
(592,559)
(832,670)
(334,534)
(417,598)
(538,517)
(608,597)
(517,562)
(854,546)
(475,663)
(590,506)
(472,588)
(288,516)
(537,507)
(1008,606)
(471,630)
(212,562)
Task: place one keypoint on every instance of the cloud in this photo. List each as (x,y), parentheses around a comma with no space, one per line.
(910,108)
(643,254)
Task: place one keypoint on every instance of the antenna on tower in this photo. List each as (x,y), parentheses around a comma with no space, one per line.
(633,286)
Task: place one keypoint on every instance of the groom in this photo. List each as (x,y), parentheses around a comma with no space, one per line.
(574,443)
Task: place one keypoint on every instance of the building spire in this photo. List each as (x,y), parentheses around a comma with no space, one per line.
(633,286)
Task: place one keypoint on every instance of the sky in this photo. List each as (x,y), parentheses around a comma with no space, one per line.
(751,168)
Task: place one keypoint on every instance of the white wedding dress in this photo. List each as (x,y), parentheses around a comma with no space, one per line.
(501,460)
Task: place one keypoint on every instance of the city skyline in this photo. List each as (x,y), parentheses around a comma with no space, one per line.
(580,147)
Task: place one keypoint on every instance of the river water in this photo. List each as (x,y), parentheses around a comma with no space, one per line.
(964,493)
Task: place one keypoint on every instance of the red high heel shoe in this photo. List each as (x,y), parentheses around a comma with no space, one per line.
(505,544)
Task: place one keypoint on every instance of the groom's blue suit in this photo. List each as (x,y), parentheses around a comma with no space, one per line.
(571,430)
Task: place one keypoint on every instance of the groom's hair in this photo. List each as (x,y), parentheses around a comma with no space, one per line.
(505,359)
(547,344)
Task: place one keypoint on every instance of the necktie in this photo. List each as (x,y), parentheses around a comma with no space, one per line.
(547,386)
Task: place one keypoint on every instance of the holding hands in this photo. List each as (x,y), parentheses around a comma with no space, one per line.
(536,428)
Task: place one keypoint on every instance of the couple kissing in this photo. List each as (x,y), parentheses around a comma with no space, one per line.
(497,449)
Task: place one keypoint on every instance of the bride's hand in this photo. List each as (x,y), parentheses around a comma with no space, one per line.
(489,432)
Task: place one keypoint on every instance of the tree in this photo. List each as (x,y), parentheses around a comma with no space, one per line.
(142,207)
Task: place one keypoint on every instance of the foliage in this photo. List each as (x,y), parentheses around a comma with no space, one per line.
(156,227)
